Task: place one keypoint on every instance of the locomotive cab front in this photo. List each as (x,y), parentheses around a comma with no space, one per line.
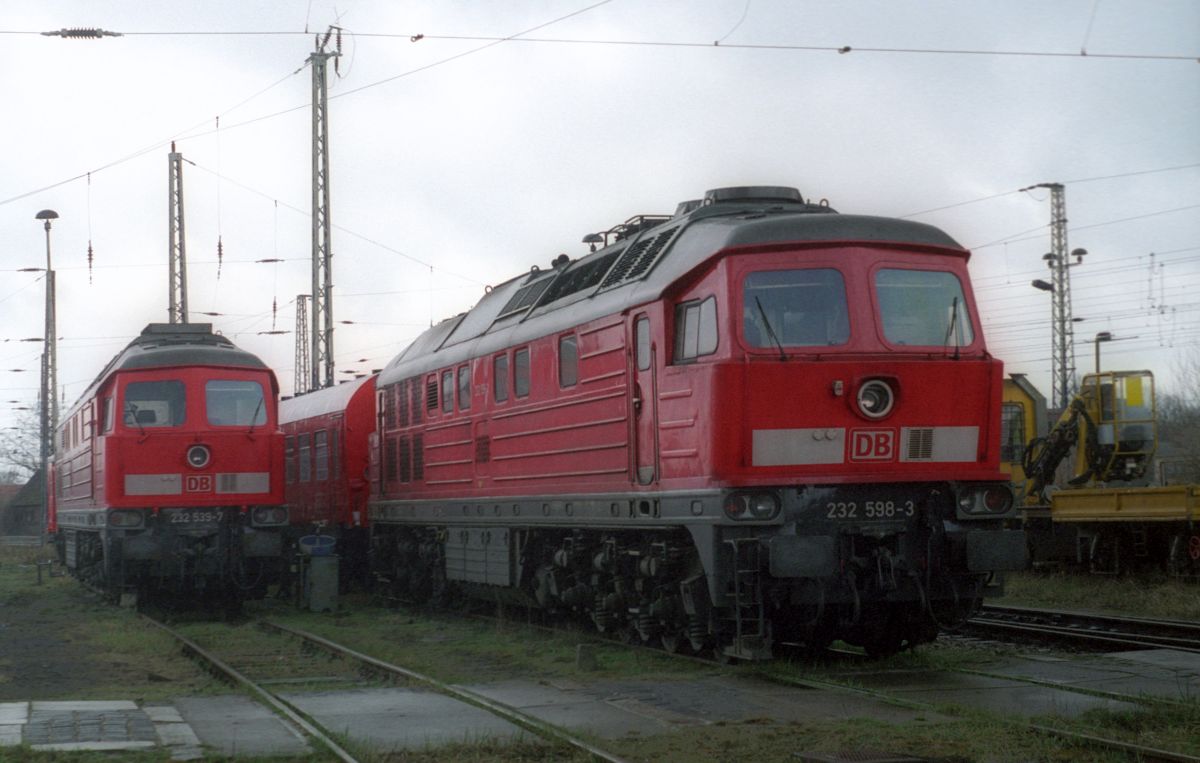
(169,475)
(848,399)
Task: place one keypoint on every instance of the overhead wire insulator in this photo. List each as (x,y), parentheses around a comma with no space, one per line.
(82,33)
(220,256)
(89,262)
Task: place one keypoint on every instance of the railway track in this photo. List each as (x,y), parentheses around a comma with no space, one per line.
(285,652)
(1087,630)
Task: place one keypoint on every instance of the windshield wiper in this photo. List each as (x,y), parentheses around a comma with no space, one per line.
(132,409)
(254,416)
(770,329)
(953,329)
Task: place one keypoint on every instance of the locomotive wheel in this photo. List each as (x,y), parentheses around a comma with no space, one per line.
(883,644)
(673,642)
(719,654)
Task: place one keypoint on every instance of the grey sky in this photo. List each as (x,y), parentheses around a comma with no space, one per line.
(447,177)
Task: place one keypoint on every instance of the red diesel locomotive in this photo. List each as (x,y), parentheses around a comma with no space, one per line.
(168,469)
(754,421)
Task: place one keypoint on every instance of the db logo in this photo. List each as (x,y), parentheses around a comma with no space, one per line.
(872,444)
(198,483)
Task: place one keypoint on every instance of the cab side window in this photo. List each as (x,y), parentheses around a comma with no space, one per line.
(695,329)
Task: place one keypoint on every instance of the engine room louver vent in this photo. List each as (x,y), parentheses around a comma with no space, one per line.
(637,260)
(405,458)
(483,449)
(418,458)
(525,296)
(919,444)
(414,388)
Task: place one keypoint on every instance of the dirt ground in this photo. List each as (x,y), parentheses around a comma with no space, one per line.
(59,641)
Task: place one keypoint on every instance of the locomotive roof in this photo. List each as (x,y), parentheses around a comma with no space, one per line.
(641,265)
(321,402)
(167,345)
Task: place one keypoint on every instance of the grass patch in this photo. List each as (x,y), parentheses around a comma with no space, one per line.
(60,641)
(965,740)
(1141,596)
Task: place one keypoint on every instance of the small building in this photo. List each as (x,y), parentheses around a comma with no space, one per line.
(22,515)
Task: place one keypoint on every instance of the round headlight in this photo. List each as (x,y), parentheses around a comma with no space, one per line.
(198,456)
(875,399)
(997,500)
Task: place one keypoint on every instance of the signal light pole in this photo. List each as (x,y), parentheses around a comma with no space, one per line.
(1062,346)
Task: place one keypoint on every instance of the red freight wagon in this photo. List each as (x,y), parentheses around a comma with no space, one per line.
(754,420)
(167,472)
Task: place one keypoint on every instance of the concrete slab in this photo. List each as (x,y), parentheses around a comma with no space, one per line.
(1154,673)
(86,723)
(13,713)
(10,735)
(391,719)
(84,706)
(1172,659)
(236,725)
(615,709)
(92,746)
(176,735)
(986,693)
(162,713)
(579,710)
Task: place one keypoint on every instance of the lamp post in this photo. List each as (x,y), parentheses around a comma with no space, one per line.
(49,408)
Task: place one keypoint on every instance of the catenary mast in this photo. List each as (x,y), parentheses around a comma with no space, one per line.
(322,254)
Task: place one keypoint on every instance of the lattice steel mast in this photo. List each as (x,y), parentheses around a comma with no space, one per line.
(177,248)
(303,371)
(322,254)
(1062,346)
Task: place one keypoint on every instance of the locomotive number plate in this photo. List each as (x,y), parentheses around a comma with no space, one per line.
(867,510)
(194,516)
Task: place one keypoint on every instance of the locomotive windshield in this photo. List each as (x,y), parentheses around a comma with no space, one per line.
(154,404)
(234,403)
(795,308)
(923,307)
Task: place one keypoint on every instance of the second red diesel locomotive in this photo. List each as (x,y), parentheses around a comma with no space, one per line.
(754,421)
(167,474)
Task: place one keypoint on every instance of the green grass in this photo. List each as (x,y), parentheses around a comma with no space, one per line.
(462,650)
(1142,596)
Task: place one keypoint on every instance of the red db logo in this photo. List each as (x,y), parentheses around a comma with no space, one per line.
(198,483)
(872,444)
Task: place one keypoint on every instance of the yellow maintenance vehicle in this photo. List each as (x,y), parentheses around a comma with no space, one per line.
(1083,480)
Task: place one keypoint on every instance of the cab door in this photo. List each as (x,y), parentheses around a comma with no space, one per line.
(644,401)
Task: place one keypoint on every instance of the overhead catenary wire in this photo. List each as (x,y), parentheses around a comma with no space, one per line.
(717,44)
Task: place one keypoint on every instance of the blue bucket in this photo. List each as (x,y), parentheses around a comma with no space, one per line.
(317,545)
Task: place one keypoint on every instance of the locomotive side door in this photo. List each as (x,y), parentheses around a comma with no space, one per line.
(644,402)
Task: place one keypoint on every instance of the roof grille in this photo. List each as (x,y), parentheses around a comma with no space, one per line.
(584,275)
(637,260)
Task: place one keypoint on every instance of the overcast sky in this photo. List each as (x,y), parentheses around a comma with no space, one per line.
(458,163)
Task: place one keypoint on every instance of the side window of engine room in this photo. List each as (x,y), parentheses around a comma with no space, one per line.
(695,329)
(521,372)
